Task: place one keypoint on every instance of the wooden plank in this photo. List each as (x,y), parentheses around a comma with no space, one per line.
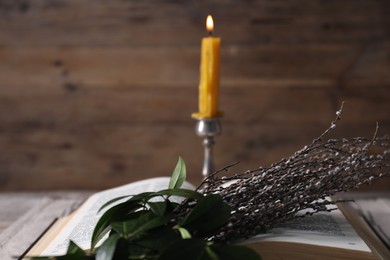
(155,106)
(29,70)
(109,155)
(263,145)
(12,209)
(277,106)
(14,205)
(58,69)
(92,156)
(19,236)
(367,105)
(149,106)
(43,23)
(106,89)
(371,68)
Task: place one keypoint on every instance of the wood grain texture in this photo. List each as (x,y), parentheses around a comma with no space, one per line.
(71,22)
(172,66)
(28,216)
(95,94)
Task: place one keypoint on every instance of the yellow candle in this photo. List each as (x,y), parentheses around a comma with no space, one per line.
(209,75)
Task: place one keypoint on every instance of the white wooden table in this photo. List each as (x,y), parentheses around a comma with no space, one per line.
(24,217)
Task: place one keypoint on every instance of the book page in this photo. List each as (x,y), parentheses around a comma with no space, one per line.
(376,212)
(80,227)
(369,213)
(323,229)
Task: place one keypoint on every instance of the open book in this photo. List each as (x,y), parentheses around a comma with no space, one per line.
(322,236)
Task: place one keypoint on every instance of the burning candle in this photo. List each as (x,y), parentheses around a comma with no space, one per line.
(209,74)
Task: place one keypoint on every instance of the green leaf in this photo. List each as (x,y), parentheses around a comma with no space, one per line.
(107,250)
(184,233)
(102,226)
(148,224)
(159,239)
(74,249)
(190,194)
(193,248)
(111,202)
(141,197)
(113,214)
(138,252)
(125,228)
(230,252)
(210,213)
(210,253)
(158,208)
(145,196)
(178,175)
(136,227)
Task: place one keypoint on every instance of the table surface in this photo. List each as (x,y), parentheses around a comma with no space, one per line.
(25,216)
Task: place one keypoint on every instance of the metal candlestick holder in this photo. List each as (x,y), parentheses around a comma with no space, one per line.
(208,129)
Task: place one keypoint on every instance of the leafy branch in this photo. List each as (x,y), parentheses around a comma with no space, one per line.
(224,209)
(148,226)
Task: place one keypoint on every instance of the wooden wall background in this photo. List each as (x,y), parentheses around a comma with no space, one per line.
(94,93)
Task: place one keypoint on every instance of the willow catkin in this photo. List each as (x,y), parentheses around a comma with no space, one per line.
(263,198)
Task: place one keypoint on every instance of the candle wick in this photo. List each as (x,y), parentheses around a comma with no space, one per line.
(210,33)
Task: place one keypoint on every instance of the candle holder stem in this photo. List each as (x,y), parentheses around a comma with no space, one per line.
(208,129)
(208,163)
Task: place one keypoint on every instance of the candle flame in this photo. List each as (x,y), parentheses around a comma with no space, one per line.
(209,24)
